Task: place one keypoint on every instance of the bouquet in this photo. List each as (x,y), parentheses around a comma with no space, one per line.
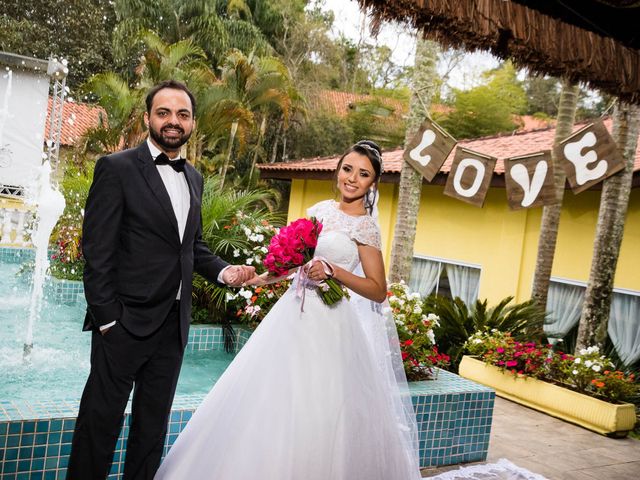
(294,246)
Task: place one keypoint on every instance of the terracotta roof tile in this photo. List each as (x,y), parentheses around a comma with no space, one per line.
(77,118)
(339,103)
(501,147)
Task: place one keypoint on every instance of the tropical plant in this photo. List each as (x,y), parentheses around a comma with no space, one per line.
(227,214)
(458,321)
(215,26)
(257,86)
(67,261)
(420,355)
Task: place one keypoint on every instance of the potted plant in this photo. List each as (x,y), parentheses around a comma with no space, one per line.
(584,389)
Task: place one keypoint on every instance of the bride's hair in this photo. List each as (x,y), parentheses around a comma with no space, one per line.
(372,151)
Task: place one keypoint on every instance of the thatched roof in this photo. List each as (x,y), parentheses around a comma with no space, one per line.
(591,41)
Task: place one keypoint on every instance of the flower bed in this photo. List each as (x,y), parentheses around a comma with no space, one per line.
(584,388)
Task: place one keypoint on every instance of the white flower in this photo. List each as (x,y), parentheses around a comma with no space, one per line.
(270,295)
(417,309)
(399,322)
(264,249)
(577,360)
(431,336)
(583,351)
(236,253)
(596,368)
(247,294)
(414,296)
(230,296)
(575,372)
(393,298)
(588,363)
(260,238)
(249,261)
(477,340)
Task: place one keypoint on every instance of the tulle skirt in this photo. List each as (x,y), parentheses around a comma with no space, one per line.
(303,400)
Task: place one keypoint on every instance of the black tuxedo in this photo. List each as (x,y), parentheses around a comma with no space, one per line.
(135,260)
(135,263)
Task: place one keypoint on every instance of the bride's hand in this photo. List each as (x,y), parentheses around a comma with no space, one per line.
(257,280)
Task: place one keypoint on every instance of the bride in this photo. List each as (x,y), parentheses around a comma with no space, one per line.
(316,393)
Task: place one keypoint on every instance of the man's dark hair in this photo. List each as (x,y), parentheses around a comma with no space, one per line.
(174,85)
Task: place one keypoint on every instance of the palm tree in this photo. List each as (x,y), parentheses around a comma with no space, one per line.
(215,26)
(551,213)
(614,202)
(425,82)
(257,86)
(123,127)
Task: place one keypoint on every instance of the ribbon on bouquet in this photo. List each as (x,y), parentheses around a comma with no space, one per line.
(305,282)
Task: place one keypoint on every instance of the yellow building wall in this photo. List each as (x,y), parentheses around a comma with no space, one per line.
(502,242)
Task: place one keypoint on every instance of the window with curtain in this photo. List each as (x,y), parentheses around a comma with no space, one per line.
(564,304)
(446,279)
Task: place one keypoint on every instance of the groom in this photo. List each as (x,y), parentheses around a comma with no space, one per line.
(142,242)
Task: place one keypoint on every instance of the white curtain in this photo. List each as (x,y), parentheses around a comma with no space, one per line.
(424,275)
(624,326)
(464,283)
(564,304)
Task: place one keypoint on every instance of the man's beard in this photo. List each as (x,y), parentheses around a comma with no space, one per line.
(169,143)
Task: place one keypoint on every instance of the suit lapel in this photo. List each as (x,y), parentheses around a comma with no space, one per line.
(153,179)
(193,217)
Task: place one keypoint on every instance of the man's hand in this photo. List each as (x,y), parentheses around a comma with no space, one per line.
(236,275)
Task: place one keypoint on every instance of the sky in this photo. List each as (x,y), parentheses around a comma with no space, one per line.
(401,39)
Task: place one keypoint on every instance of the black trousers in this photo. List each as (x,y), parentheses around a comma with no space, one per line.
(120,362)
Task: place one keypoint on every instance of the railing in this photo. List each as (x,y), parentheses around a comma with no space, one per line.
(15,221)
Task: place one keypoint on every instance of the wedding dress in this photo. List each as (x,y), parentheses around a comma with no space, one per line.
(308,397)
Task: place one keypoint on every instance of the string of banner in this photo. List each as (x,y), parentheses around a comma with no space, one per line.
(587,156)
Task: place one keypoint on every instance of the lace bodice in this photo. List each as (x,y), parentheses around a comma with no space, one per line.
(341,233)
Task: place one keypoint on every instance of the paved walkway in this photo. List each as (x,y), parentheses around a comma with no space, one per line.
(556,449)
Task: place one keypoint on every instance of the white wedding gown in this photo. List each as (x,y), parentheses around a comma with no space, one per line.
(305,398)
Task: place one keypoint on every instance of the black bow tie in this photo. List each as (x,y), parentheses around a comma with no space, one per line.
(177,165)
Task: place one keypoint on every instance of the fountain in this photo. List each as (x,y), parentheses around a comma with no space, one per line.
(49,204)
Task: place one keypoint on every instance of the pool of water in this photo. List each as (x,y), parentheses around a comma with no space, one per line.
(59,363)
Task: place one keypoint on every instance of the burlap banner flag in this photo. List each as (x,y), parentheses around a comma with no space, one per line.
(470,176)
(428,149)
(589,156)
(529,180)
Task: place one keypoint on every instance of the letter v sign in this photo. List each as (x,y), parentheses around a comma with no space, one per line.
(529,180)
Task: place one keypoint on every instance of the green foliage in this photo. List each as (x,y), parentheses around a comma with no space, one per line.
(322,135)
(222,209)
(377,121)
(487,109)
(68,262)
(458,322)
(543,95)
(415,333)
(78,31)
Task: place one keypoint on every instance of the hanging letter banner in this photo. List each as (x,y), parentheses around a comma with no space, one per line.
(529,180)
(470,176)
(589,156)
(428,150)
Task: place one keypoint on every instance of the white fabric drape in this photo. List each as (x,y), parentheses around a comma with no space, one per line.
(464,283)
(424,275)
(564,304)
(624,326)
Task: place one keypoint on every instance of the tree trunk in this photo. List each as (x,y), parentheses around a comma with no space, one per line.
(227,160)
(551,213)
(254,160)
(611,217)
(425,81)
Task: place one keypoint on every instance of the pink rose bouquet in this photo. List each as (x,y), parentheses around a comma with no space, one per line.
(294,246)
